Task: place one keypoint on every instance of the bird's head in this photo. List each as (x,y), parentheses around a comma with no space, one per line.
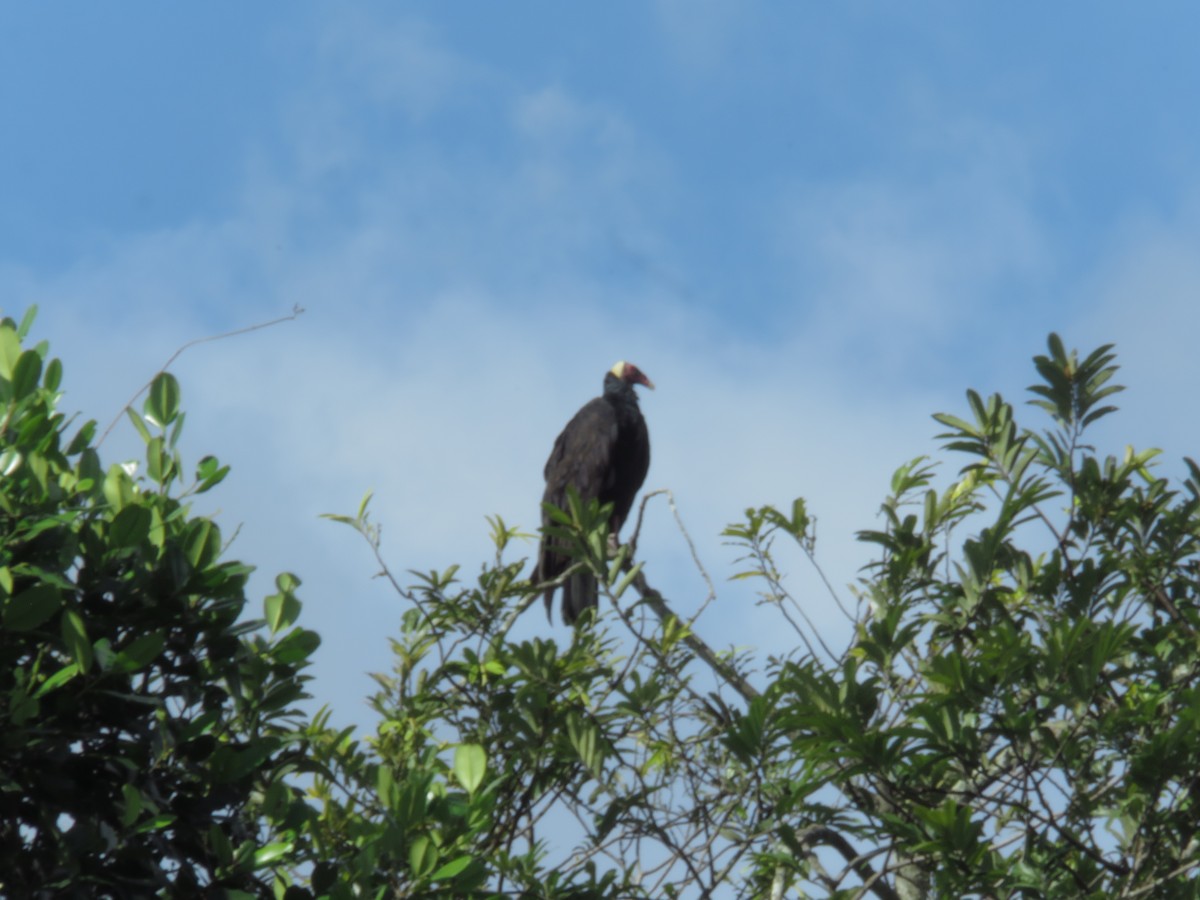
(631,374)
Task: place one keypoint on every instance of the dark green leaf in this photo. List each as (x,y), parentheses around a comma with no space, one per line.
(158,461)
(140,652)
(130,526)
(30,608)
(132,802)
(203,543)
(53,377)
(210,473)
(83,438)
(26,374)
(299,645)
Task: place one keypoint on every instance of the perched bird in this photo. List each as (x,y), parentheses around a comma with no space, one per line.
(603,454)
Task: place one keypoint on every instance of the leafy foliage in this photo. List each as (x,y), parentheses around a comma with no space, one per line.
(1015,712)
(147,730)
(481,737)
(1014,720)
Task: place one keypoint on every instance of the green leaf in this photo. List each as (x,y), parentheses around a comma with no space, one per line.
(75,636)
(62,676)
(272,853)
(287,582)
(82,439)
(158,461)
(10,351)
(27,321)
(585,738)
(230,763)
(130,526)
(210,473)
(10,461)
(452,868)
(30,608)
(26,374)
(297,646)
(158,823)
(139,424)
(470,765)
(624,583)
(202,543)
(118,487)
(140,653)
(422,856)
(219,841)
(281,610)
(162,403)
(173,442)
(53,377)
(132,805)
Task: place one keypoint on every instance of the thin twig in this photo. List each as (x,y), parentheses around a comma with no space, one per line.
(654,600)
(818,835)
(297,311)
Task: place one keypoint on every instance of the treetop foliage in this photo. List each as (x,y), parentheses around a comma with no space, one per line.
(149,731)
(1016,713)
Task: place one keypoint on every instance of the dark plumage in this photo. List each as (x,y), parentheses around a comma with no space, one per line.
(603,453)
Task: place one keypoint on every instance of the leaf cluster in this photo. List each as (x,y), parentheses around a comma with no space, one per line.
(493,752)
(148,730)
(1017,711)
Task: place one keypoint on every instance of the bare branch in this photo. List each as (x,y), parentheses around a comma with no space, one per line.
(297,311)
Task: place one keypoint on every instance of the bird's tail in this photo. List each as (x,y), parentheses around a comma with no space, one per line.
(579,593)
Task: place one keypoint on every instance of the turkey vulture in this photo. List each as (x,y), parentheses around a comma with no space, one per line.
(603,454)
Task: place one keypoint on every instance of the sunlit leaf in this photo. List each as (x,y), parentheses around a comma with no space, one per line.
(422,856)
(162,402)
(470,765)
(452,868)
(75,635)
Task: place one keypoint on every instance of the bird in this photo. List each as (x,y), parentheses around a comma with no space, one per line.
(604,454)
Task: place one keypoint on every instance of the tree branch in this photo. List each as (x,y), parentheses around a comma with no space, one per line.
(297,311)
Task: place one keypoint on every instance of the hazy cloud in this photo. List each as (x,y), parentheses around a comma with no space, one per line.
(701,33)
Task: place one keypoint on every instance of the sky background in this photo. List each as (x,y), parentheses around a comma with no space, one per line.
(812,224)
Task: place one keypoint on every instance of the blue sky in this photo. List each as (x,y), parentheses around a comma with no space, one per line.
(811,224)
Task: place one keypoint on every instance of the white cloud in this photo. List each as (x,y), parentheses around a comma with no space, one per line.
(1144,296)
(896,264)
